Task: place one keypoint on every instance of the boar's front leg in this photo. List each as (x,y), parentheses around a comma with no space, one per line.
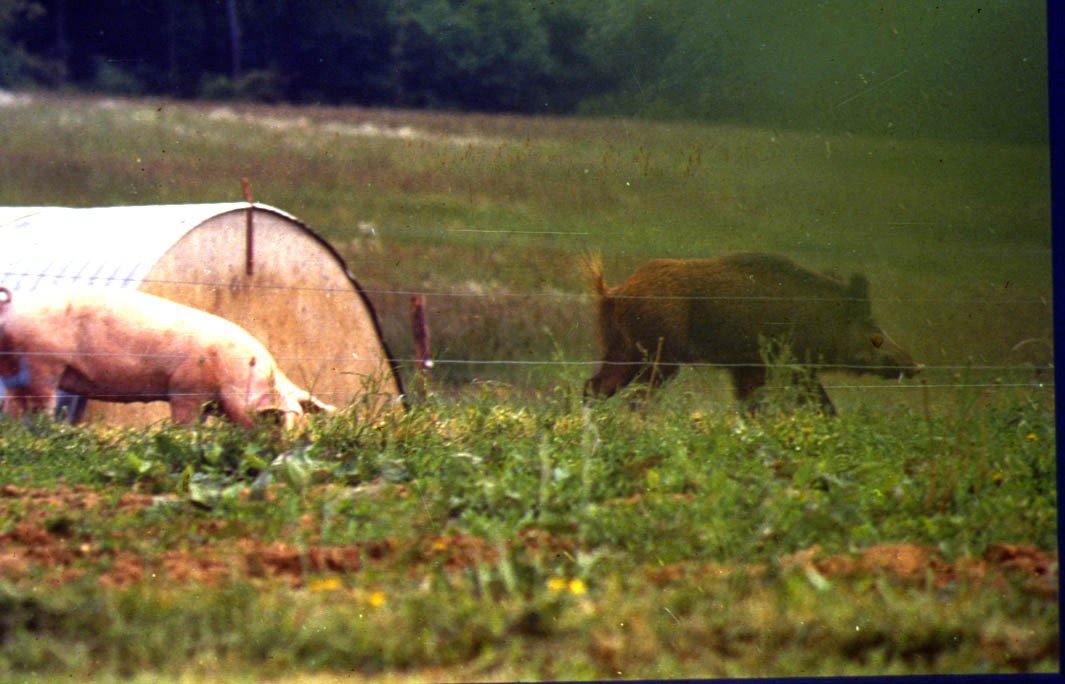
(656,374)
(813,389)
(747,380)
(612,376)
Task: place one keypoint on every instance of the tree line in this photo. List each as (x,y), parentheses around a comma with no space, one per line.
(965,68)
(492,55)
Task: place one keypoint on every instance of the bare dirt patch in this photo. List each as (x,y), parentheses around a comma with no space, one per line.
(42,538)
(45,539)
(1033,569)
(916,563)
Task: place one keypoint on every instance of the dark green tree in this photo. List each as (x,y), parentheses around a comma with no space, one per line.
(20,66)
(962,69)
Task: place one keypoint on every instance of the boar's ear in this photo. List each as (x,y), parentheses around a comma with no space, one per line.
(858,295)
(5,296)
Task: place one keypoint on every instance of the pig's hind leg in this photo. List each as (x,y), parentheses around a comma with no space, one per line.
(32,389)
(29,400)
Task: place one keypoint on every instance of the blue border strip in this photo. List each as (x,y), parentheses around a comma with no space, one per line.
(1056,94)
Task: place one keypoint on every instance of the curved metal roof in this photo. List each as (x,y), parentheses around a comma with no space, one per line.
(98,246)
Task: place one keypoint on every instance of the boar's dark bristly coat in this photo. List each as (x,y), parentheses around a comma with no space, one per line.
(723,311)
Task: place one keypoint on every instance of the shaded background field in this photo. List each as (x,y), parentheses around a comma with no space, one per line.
(905,141)
(488,216)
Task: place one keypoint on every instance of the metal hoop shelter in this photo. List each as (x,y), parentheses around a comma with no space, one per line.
(253,264)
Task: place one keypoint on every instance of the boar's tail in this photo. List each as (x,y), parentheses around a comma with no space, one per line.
(592,267)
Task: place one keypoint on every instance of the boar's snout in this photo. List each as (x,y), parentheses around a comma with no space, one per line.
(913,370)
(890,360)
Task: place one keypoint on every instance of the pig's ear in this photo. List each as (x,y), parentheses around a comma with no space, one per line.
(858,294)
(5,296)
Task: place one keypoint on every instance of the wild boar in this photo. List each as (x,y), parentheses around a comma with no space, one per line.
(724,311)
(127,346)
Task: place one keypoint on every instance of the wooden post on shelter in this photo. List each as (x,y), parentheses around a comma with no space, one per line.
(420,326)
(249,228)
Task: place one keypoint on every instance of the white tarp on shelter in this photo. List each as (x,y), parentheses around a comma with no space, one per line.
(97,247)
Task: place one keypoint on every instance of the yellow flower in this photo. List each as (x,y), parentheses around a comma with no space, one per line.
(377,599)
(557,584)
(324,584)
(1032,437)
(576,587)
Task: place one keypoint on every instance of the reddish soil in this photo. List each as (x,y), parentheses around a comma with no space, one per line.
(1037,569)
(45,541)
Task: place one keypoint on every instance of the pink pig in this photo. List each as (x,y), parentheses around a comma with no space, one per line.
(126,346)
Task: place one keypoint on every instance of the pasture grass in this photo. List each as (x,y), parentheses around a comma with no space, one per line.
(500,538)
(501,529)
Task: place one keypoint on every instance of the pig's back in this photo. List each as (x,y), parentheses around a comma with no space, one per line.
(115,321)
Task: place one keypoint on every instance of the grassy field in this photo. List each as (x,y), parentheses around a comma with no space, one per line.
(502,530)
(488,214)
